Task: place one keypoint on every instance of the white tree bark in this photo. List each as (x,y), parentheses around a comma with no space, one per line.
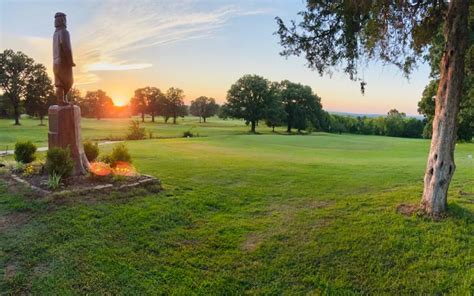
(441,167)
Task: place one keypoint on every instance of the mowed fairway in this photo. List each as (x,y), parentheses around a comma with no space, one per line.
(257,214)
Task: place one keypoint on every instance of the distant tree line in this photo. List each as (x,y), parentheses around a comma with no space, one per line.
(395,124)
(295,106)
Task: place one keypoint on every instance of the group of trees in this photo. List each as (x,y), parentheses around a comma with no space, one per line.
(97,104)
(26,86)
(203,107)
(150,100)
(254,99)
(395,124)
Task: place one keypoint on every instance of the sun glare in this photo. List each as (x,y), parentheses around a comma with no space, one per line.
(119,100)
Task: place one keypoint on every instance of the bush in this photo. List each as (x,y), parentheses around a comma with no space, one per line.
(135,132)
(120,153)
(188,134)
(59,162)
(25,152)
(106,158)
(91,150)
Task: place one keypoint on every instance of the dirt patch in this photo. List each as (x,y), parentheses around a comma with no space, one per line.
(10,271)
(13,220)
(252,242)
(408,209)
(319,204)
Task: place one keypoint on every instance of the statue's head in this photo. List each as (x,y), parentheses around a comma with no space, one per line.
(59,20)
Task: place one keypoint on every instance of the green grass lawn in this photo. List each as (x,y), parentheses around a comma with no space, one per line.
(240,213)
(104,129)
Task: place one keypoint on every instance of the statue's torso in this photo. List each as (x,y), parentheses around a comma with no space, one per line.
(59,41)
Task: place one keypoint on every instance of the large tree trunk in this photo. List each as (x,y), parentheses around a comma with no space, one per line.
(440,167)
(16,110)
(252,128)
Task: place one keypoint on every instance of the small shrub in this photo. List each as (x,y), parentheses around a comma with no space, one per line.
(135,132)
(54,181)
(106,158)
(188,134)
(91,150)
(59,162)
(120,153)
(25,152)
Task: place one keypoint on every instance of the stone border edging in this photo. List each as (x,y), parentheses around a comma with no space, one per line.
(149,180)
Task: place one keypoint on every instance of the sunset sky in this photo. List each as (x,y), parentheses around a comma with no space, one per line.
(200,46)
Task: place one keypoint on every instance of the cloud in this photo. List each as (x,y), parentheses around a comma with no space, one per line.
(115,67)
(115,30)
(122,27)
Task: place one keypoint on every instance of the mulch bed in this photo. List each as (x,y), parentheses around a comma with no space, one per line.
(86,184)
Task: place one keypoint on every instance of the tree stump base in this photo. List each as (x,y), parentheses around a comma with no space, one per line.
(65,131)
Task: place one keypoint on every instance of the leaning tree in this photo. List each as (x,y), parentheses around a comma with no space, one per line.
(337,34)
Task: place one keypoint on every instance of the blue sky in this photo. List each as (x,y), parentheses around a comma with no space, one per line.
(200,46)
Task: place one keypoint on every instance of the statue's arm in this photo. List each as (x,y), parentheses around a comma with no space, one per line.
(66,47)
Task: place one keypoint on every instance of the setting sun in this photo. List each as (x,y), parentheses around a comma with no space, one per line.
(119,99)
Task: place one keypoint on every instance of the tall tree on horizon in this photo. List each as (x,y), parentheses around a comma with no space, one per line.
(248,99)
(175,104)
(343,33)
(16,72)
(100,102)
(203,107)
(39,93)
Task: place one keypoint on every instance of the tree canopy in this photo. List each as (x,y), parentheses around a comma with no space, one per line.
(341,34)
(203,107)
(17,72)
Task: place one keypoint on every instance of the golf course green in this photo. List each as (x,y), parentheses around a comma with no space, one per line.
(242,213)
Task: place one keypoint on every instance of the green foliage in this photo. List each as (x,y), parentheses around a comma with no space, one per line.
(149,100)
(135,132)
(248,99)
(59,162)
(54,181)
(120,153)
(97,104)
(40,93)
(203,107)
(301,105)
(91,150)
(395,124)
(174,106)
(341,33)
(17,72)
(426,106)
(25,152)
(107,158)
(188,134)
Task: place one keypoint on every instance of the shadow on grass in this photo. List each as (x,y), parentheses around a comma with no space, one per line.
(456,211)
